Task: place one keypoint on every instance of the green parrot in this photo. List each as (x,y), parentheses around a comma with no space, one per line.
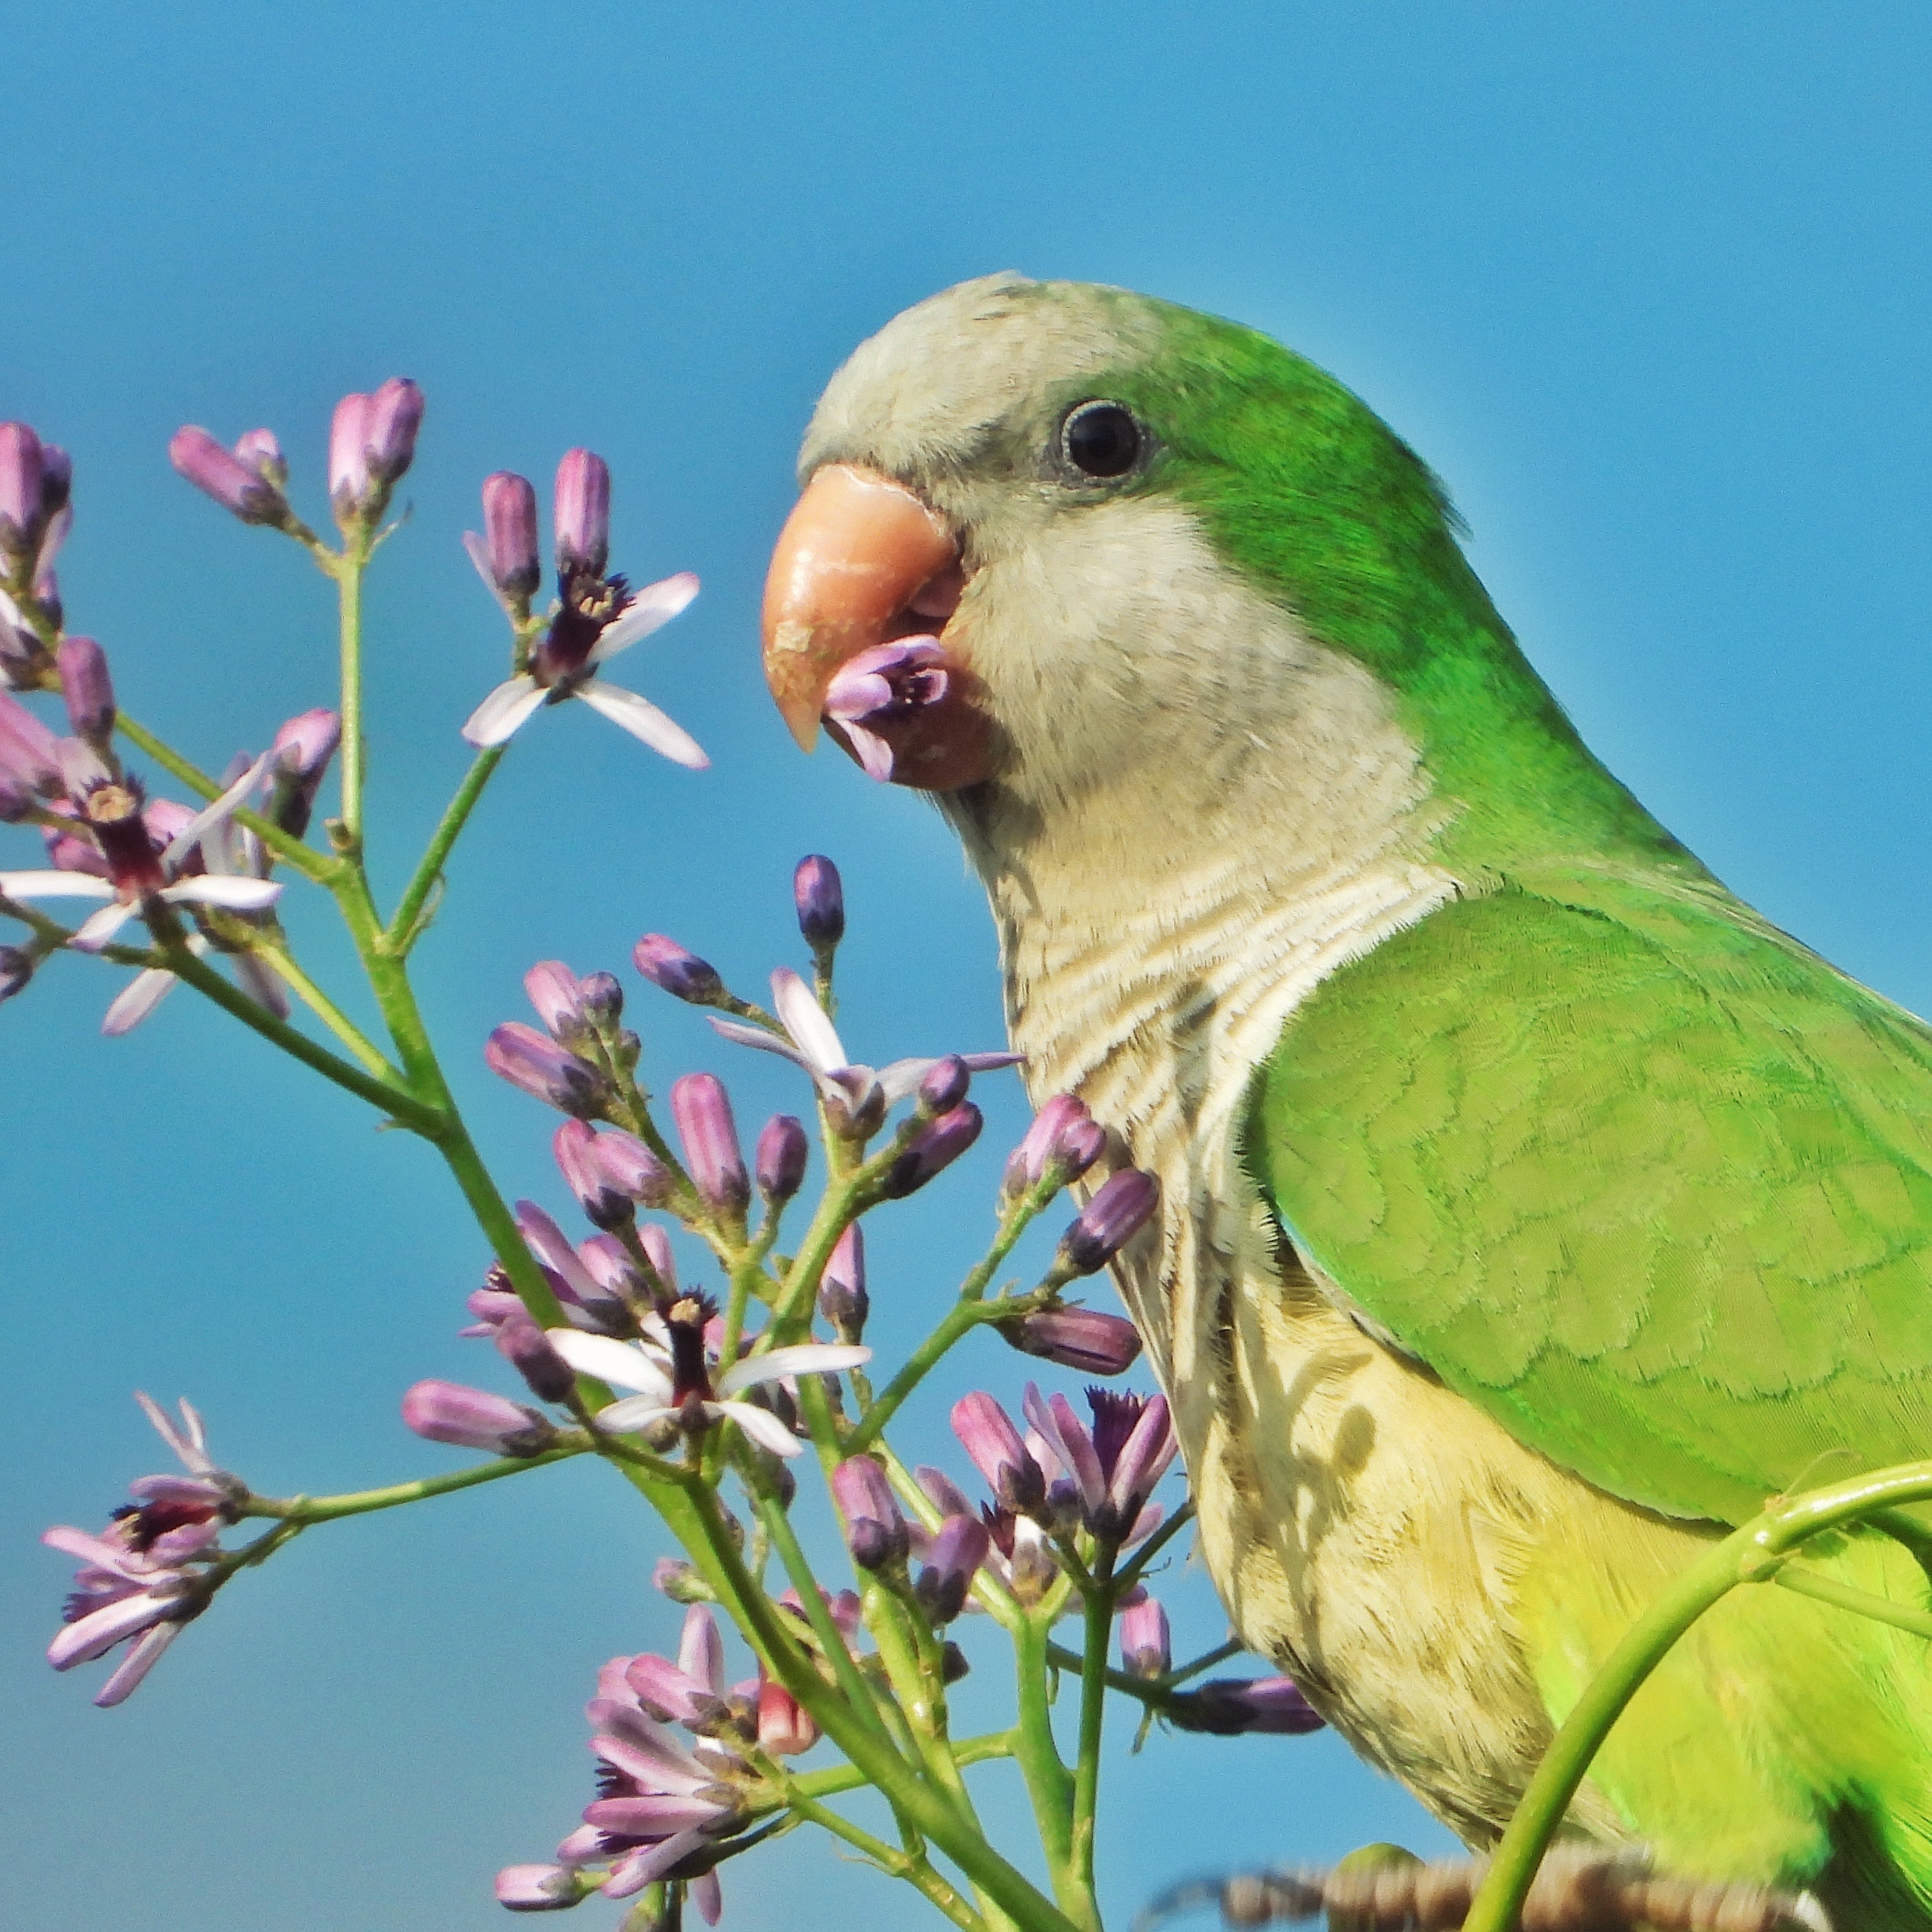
(1532,1208)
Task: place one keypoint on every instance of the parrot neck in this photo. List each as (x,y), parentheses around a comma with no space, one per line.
(1159,924)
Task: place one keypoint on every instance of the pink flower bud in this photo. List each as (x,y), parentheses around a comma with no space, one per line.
(20,481)
(785,1727)
(581,513)
(820,897)
(528,1059)
(88,689)
(703,1111)
(679,972)
(1121,1208)
(1146,1647)
(1085,1339)
(473,1418)
(239,487)
(262,453)
(389,430)
(510,534)
(933,1149)
(782,1154)
(349,480)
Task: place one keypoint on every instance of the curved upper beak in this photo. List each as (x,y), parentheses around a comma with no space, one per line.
(847,573)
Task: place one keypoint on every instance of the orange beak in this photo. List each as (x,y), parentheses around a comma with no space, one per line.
(862,561)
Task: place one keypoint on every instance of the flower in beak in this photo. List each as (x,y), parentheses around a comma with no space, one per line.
(685,1390)
(856,1097)
(596,617)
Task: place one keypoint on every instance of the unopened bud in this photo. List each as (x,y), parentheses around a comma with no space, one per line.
(945,1086)
(303,748)
(1085,1339)
(349,479)
(510,534)
(702,1109)
(1121,1206)
(581,513)
(820,899)
(842,1299)
(1146,1647)
(529,1060)
(679,973)
(88,689)
(602,999)
(932,1150)
(395,416)
(473,1418)
(782,1154)
(239,487)
(262,453)
(20,481)
(875,1532)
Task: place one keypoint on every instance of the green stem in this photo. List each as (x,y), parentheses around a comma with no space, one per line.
(303,1511)
(830,1784)
(1750,1554)
(402,927)
(1155,1543)
(1049,1786)
(1099,1623)
(400,1105)
(916,1801)
(347,570)
(1860,1602)
(293,854)
(282,962)
(916,1870)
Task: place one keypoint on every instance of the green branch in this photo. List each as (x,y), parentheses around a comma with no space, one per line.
(302,1510)
(403,931)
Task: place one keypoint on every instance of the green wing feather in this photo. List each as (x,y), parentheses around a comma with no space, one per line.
(1632,1171)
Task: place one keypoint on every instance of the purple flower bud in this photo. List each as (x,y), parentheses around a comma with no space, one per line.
(945,1086)
(538,1888)
(785,1727)
(842,1299)
(955,1555)
(260,451)
(581,512)
(703,1111)
(1121,1208)
(820,899)
(1228,1705)
(16,968)
(947,1497)
(528,1059)
(1146,1649)
(782,1154)
(557,995)
(389,432)
(473,1418)
(987,1434)
(875,1532)
(510,534)
(1085,1339)
(56,486)
(303,747)
(1064,1138)
(20,480)
(932,1150)
(527,1349)
(680,974)
(239,487)
(679,1581)
(574,1146)
(89,690)
(602,998)
(349,481)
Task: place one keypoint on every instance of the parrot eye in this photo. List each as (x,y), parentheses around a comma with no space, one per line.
(1101,440)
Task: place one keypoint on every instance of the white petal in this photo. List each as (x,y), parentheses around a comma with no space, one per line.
(478,553)
(232,894)
(805,1020)
(98,928)
(611,1360)
(143,1656)
(632,1413)
(875,755)
(53,885)
(808,1358)
(901,1077)
(136,1000)
(769,1042)
(94,1550)
(504,711)
(650,609)
(761,1426)
(189,836)
(646,722)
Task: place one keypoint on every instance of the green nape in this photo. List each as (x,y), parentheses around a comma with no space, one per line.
(1315,498)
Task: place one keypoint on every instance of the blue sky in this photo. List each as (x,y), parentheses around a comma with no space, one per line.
(1644,283)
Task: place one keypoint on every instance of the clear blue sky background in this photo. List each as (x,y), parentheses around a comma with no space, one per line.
(1646,283)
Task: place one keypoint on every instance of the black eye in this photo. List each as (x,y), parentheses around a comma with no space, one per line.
(1101,439)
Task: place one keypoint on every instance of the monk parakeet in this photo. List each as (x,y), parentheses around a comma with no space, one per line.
(1532,1208)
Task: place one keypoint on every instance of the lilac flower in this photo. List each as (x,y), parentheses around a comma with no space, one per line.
(855,1097)
(473,1418)
(1121,1206)
(685,1391)
(1227,1706)
(146,1575)
(1064,1140)
(533,1061)
(954,1554)
(676,970)
(782,1151)
(1147,1649)
(610,1173)
(1114,1466)
(887,683)
(932,1150)
(842,1299)
(372,441)
(140,868)
(244,488)
(1086,1339)
(702,1109)
(88,690)
(597,616)
(820,898)
(506,554)
(301,754)
(987,1434)
(875,1532)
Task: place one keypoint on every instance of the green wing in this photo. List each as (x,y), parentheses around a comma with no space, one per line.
(1631,1170)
